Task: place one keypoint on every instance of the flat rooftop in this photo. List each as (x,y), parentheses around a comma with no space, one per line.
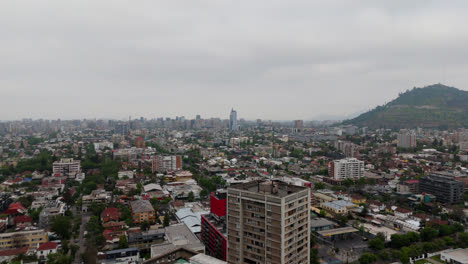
(337,231)
(273,188)
(319,222)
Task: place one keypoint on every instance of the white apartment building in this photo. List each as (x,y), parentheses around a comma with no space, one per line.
(350,168)
(66,167)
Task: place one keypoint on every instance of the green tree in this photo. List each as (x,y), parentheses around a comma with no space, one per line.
(322,213)
(348,182)
(428,233)
(319,186)
(167,219)
(123,242)
(34,214)
(93,226)
(314,259)
(58,258)
(404,258)
(376,244)
(26,201)
(67,197)
(191,197)
(203,194)
(144,226)
(61,225)
(367,258)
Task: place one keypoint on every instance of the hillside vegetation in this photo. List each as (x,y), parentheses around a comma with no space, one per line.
(435,106)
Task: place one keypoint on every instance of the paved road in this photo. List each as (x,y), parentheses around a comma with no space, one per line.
(81,238)
(432,261)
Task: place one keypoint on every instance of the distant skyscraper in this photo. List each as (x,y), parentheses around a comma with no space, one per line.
(298,125)
(233,126)
(121,129)
(198,117)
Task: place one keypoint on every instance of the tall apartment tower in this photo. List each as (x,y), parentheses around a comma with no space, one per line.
(406,139)
(233,126)
(268,222)
(350,168)
(443,185)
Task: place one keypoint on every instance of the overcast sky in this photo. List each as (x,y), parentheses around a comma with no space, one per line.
(268,59)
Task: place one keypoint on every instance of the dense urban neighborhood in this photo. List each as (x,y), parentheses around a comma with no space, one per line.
(214,190)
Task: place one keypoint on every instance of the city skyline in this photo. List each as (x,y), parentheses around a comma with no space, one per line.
(295,60)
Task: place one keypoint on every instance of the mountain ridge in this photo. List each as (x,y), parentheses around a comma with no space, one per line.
(433,106)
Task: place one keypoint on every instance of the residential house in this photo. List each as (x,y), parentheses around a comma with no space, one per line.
(45,249)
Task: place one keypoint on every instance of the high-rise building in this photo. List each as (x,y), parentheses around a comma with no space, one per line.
(166,163)
(298,125)
(443,185)
(350,168)
(233,125)
(406,139)
(121,129)
(213,227)
(268,222)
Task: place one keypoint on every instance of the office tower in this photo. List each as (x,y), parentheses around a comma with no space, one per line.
(406,139)
(198,117)
(268,222)
(233,126)
(350,168)
(166,163)
(213,226)
(443,185)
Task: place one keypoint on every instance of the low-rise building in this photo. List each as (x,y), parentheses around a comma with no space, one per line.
(29,238)
(97,196)
(338,206)
(110,214)
(45,249)
(50,209)
(456,256)
(409,186)
(142,211)
(144,239)
(177,236)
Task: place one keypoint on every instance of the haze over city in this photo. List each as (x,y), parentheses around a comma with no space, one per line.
(269,59)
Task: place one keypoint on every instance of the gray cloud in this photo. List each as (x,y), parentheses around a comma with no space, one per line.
(268,59)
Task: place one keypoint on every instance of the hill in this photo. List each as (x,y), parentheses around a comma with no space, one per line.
(434,106)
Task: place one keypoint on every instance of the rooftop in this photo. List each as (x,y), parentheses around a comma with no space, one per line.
(271,188)
(205,259)
(337,231)
(317,222)
(141,206)
(177,236)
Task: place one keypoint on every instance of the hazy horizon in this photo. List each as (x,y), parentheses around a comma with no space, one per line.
(272,60)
